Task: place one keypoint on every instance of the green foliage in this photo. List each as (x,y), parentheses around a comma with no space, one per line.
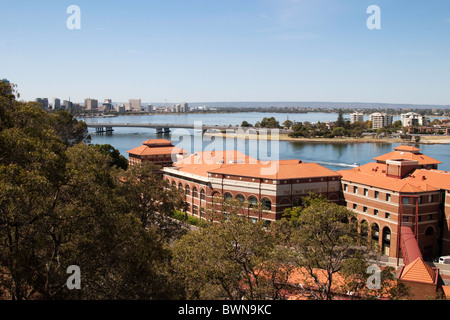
(117,160)
(62,204)
(234,260)
(270,122)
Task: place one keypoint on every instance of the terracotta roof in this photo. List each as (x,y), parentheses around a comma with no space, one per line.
(157,142)
(147,151)
(200,163)
(410,247)
(407,148)
(446,290)
(436,178)
(418,271)
(407,153)
(278,170)
(374,174)
(238,164)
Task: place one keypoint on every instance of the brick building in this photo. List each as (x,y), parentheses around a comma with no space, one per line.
(402,188)
(158,151)
(270,186)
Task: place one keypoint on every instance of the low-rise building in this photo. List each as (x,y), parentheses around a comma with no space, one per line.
(160,152)
(266,188)
(402,188)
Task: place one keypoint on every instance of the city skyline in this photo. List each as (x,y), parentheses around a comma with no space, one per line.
(203,51)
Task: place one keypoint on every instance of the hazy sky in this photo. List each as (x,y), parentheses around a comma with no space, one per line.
(228,50)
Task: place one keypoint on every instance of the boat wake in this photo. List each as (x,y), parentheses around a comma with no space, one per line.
(338,164)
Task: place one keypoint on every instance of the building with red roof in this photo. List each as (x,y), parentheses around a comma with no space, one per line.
(402,188)
(161,152)
(274,185)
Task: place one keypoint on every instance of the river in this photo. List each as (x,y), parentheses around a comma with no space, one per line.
(335,156)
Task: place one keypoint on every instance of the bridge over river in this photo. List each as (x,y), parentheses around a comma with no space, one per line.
(165,127)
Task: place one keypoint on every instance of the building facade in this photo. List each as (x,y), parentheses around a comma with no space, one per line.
(91,104)
(160,152)
(265,189)
(380,120)
(356,117)
(401,189)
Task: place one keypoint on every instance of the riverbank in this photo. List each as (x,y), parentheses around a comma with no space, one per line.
(285,137)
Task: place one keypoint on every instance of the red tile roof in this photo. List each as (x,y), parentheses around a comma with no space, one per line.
(374,174)
(419,271)
(278,170)
(156,147)
(407,153)
(238,164)
(155,142)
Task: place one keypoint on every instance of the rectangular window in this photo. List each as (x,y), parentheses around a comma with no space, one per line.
(388,197)
(355,190)
(405,200)
(355,206)
(388,215)
(365,209)
(405,219)
(366,192)
(345,187)
(375,212)
(377,194)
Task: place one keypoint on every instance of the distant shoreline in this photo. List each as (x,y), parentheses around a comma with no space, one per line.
(285,137)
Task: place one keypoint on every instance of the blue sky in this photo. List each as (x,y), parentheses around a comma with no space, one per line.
(228,50)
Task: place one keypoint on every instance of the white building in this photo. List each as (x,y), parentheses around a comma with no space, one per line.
(414,119)
(381,120)
(356,117)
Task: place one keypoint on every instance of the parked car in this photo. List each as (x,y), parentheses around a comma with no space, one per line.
(444,260)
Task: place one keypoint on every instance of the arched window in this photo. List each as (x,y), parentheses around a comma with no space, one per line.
(252,202)
(429,232)
(297,202)
(364,229)
(386,241)
(240,198)
(187,190)
(375,232)
(266,204)
(195,192)
(174,185)
(180,186)
(228,196)
(202,195)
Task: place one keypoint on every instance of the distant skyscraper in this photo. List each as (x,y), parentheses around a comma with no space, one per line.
(67,105)
(56,104)
(91,104)
(135,104)
(184,107)
(43,102)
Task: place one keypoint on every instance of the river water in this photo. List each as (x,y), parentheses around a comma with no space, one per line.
(335,156)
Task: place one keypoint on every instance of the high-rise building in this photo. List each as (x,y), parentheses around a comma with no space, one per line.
(107,105)
(380,120)
(56,104)
(43,102)
(91,104)
(184,107)
(67,105)
(414,119)
(135,104)
(356,117)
